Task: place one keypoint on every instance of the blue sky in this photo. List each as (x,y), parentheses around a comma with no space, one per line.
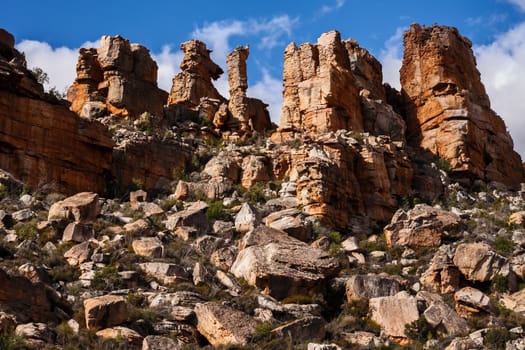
(51,32)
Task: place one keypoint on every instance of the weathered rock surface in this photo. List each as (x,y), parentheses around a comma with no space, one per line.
(222,325)
(105,311)
(195,79)
(155,342)
(441,316)
(478,262)
(448,110)
(371,286)
(118,77)
(471,301)
(392,313)
(82,207)
(247,114)
(26,300)
(303,329)
(282,265)
(43,142)
(132,338)
(422,226)
(442,275)
(150,247)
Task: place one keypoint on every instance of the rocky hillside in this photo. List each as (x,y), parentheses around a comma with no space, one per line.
(131,217)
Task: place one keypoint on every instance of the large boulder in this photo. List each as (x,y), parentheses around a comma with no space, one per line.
(479,263)
(442,275)
(393,313)
(441,316)
(105,311)
(422,226)
(83,207)
(223,325)
(282,265)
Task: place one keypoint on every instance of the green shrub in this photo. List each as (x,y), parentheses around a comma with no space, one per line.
(107,278)
(420,330)
(216,211)
(499,283)
(496,338)
(255,194)
(504,246)
(26,230)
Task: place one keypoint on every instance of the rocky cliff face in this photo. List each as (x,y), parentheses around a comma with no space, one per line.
(448,110)
(118,78)
(41,141)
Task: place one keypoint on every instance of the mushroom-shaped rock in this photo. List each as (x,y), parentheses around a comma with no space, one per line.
(83,207)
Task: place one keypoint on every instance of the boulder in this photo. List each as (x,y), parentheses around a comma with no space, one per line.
(290,221)
(246,219)
(255,169)
(83,207)
(155,342)
(78,254)
(27,301)
(471,301)
(166,273)
(282,265)
(132,339)
(479,263)
(36,333)
(393,313)
(514,301)
(302,330)
(137,198)
(193,215)
(222,325)
(149,247)
(442,275)
(371,286)
(517,218)
(78,232)
(440,316)
(422,226)
(105,311)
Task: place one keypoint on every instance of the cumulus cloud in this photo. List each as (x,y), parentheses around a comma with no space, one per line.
(391,57)
(503,72)
(58,63)
(329,8)
(269,90)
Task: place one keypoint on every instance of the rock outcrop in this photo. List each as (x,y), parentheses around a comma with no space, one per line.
(118,78)
(448,110)
(320,91)
(195,79)
(247,114)
(42,142)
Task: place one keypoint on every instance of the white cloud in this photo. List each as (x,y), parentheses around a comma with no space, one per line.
(270,91)
(329,8)
(58,63)
(519,3)
(168,63)
(391,58)
(270,32)
(503,74)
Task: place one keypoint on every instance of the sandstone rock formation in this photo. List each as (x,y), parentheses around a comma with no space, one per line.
(448,110)
(118,77)
(320,92)
(222,325)
(392,313)
(282,265)
(248,114)
(43,143)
